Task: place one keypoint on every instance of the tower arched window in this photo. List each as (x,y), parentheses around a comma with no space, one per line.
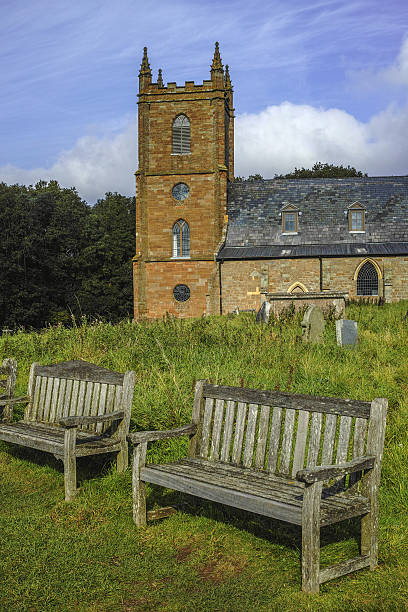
(367,280)
(181,135)
(181,239)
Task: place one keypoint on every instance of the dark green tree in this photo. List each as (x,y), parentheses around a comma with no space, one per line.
(320,170)
(106,272)
(41,239)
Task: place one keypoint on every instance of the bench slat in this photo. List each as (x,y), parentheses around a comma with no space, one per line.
(228,429)
(67,398)
(239,432)
(300,445)
(33,408)
(88,399)
(45,416)
(360,430)
(61,398)
(74,398)
(286,449)
(314,439)
(54,400)
(328,439)
(101,405)
(81,398)
(250,435)
(274,439)
(344,437)
(38,414)
(216,432)
(205,435)
(262,437)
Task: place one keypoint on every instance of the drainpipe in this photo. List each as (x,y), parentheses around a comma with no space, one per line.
(321,273)
(220,283)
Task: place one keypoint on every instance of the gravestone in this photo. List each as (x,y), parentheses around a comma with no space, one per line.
(346,332)
(313,324)
(262,316)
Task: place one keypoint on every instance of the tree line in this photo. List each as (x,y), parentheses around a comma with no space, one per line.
(61,259)
(318,170)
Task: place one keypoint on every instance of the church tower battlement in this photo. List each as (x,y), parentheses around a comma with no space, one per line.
(186,158)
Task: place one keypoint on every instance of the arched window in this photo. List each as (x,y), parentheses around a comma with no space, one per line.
(367,280)
(181,135)
(181,239)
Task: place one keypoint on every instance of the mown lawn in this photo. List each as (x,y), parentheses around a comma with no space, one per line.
(88,555)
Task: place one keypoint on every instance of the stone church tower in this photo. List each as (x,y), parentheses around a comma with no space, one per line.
(186,158)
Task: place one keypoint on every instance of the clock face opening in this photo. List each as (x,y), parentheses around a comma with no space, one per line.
(180,191)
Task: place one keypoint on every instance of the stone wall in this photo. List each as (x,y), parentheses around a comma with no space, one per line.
(243,281)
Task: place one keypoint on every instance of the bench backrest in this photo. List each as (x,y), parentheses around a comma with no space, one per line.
(79,388)
(282,433)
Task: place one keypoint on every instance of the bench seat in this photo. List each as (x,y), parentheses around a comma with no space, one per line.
(251,490)
(50,438)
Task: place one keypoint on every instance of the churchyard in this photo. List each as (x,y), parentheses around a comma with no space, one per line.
(88,555)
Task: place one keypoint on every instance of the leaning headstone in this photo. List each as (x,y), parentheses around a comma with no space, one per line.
(313,324)
(262,316)
(346,332)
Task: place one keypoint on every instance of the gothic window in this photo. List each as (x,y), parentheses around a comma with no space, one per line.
(181,239)
(181,135)
(367,280)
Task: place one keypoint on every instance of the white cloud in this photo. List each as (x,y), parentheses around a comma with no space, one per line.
(273,141)
(282,137)
(94,165)
(398,72)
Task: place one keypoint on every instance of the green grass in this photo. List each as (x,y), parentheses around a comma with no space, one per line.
(88,555)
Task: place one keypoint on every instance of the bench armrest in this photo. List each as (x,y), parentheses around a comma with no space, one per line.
(150,436)
(14,400)
(75,421)
(325,472)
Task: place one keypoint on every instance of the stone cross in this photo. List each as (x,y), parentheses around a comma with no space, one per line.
(346,332)
(313,324)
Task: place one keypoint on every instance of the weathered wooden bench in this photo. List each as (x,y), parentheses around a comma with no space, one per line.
(310,461)
(74,409)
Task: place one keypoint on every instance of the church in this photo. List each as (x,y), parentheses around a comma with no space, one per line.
(206,244)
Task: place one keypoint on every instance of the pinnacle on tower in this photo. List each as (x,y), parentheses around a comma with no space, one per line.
(145,66)
(216,63)
(160,78)
(228,84)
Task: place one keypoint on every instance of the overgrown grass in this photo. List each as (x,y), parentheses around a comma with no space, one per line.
(88,555)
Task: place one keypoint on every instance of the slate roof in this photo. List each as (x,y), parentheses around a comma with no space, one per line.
(255,225)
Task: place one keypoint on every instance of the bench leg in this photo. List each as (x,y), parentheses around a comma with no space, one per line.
(311,538)
(122,459)
(138,486)
(70,480)
(369,537)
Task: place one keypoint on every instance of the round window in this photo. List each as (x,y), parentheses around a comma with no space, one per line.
(181,293)
(180,191)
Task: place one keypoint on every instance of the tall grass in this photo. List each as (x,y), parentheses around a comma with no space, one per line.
(95,559)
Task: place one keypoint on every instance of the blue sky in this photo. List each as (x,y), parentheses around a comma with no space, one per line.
(314,80)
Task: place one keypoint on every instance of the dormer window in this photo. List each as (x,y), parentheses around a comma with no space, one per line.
(290,219)
(356,217)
